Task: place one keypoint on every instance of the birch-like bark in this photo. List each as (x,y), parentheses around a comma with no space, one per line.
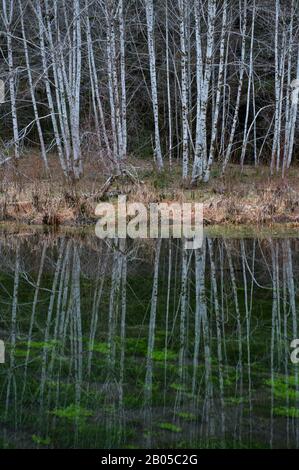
(281,97)
(41,28)
(75,114)
(216,113)
(226,97)
(97,109)
(149,5)
(116,83)
(111,88)
(116,90)
(293,115)
(170,142)
(123,78)
(198,157)
(250,79)
(203,84)
(276,143)
(8,12)
(240,86)
(62,85)
(184,88)
(288,106)
(31,87)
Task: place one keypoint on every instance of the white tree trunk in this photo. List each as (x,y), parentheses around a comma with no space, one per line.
(153,74)
(184,89)
(8,11)
(75,117)
(240,86)
(207,172)
(200,158)
(123,79)
(41,28)
(170,143)
(250,79)
(32,91)
(276,142)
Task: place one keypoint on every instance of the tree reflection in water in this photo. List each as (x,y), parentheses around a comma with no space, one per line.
(145,344)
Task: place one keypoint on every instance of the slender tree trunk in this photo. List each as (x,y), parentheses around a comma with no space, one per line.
(200,159)
(276,143)
(58,141)
(153,74)
(250,79)
(123,79)
(32,91)
(170,142)
(240,86)
(184,88)
(8,11)
(218,94)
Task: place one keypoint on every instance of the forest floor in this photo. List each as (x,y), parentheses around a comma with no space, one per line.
(251,197)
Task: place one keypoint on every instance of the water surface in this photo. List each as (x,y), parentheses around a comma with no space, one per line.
(147,345)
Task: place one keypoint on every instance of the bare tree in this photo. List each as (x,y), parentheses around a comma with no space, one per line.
(149,6)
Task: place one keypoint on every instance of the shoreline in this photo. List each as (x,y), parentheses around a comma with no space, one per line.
(251,198)
(217,211)
(282,230)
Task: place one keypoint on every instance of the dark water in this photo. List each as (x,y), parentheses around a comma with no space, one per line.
(143,344)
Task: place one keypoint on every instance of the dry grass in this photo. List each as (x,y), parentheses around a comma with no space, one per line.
(28,196)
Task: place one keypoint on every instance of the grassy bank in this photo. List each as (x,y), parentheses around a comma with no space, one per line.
(252,197)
